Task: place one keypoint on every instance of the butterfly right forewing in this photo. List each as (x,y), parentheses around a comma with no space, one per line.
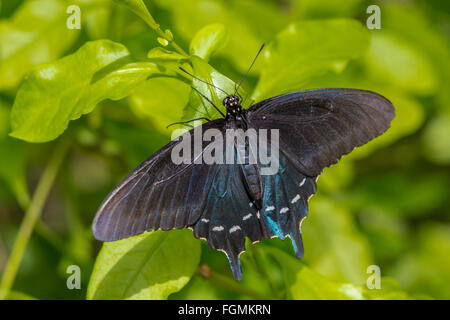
(319,126)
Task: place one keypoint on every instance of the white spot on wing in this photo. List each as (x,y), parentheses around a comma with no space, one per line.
(218,228)
(205,220)
(234,229)
(247,217)
(284,210)
(250,204)
(303,182)
(270,208)
(296,198)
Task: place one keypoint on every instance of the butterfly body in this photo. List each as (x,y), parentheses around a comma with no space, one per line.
(224,203)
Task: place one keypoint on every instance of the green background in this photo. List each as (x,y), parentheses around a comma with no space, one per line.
(91,104)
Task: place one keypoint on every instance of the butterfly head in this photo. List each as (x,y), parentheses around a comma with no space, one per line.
(233,105)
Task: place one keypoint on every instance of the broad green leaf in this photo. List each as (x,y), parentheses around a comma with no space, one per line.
(159,54)
(162,99)
(37,33)
(208,40)
(149,266)
(333,245)
(139,8)
(308,49)
(303,283)
(12,160)
(395,62)
(64,90)
(199,106)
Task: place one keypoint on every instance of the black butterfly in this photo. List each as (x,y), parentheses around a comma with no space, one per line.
(224,203)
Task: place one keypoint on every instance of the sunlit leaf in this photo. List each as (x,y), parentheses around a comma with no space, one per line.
(139,8)
(37,33)
(53,94)
(207,40)
(399,64)
(333,245)
(304,283)
(148,266)
(162,99)
(161,54)
(308,49)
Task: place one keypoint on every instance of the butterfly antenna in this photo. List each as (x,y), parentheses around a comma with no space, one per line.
(237,86)
(186,122)
(209,100)
(210,84)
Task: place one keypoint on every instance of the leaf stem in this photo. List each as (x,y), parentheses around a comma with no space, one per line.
(207,273)
(31,216)
(140,9)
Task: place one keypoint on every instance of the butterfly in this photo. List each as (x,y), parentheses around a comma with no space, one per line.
(225,203)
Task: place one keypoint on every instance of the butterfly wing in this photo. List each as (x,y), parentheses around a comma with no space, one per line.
(211,199)
(159,194)
(317,127)
(229,215)
(285,202)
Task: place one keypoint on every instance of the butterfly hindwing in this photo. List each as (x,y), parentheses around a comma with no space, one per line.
(229,215)
(285,202)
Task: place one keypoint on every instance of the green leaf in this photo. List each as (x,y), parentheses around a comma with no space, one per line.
(307,49)
(162,99)
(159,54)
(149,266)
(12,161)
(53,94)
(406,67)
(303,283)
(208,40)
(334,246)
(37,33)
(139,8)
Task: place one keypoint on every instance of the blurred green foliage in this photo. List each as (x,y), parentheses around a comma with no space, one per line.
(111,88)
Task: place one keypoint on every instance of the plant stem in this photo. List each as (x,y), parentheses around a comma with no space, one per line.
(31,216)
(140,9)
(207,273)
